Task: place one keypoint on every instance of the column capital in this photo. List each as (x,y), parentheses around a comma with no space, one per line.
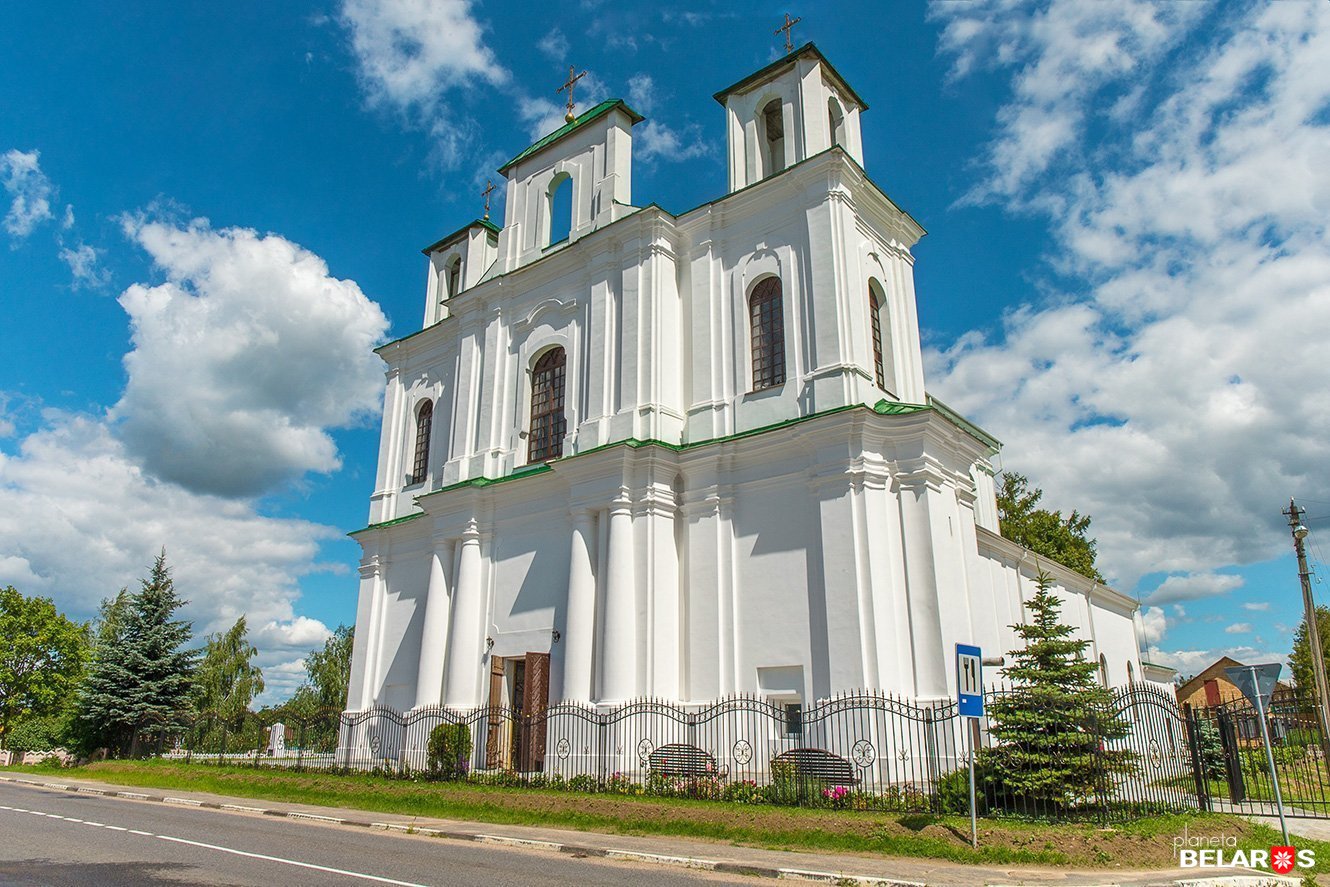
(371,566)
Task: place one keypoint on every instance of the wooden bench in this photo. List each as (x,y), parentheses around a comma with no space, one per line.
(818,764)
(679,759)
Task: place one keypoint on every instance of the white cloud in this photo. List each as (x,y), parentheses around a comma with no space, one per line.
(80,519)
(412,51)
(1238,628)
(1194,586)
(1154,625)
(413,55)
(554,45)
(653,139)
(242,359)
(1192,662)
(1259,607)
(1154,389)
(83,264)
(29,189)
(543,115)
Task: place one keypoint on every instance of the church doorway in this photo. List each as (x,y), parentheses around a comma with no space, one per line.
(519,696)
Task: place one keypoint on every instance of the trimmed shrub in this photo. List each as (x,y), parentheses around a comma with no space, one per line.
(449,750)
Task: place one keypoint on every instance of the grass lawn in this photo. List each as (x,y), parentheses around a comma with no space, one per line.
(1141,843)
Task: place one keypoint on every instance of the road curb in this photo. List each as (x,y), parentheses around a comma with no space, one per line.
(577,850)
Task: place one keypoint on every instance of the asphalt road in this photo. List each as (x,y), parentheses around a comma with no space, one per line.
(58,838)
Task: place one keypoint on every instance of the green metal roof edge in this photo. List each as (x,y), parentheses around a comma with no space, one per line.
(964,424)
(484,223)
(569,128)
(789,58)
(890,409)
(1145,662)
(388,523)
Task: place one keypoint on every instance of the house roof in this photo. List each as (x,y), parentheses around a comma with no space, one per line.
(573,126)
(786,61)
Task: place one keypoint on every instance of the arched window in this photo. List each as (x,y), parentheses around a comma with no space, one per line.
(875,322)
(1131,673)
(767,319)
(424,419)
(561,208)
(773,126)
(836,122)
(454,277)
(547,419)
(1103,669)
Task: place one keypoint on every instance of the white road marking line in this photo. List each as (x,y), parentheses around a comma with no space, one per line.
(116,828)
(90,822)
(135,831)
(303,865)
(36,813)
(72,819)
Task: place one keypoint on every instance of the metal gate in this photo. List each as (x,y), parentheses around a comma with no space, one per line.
(1231,756)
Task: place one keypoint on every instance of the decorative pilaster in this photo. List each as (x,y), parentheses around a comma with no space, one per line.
(462,678)
(619,665)
(365,653)
(579,637)
(434,635)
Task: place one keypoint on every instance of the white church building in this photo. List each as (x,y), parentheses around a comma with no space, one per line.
(633,453)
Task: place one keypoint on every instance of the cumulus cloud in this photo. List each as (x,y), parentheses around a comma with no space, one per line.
(242,359)
(1154,624)
(80,519)
(1257,606)
(1194,586)
(1191,662)
(653,139)
(1189,284)
(29,189)
(412,54)
(1238,628)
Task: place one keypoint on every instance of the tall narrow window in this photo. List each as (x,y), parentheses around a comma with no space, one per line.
(774,125)
(561,208)
(547,419)
(768,332)
(454,277)
(424,419)
(1103,670)
(875,315)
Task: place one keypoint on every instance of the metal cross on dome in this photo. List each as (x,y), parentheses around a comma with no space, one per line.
(572,81)
(489,189)
(787,28)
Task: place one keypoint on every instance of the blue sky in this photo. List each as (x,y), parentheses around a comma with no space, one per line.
(212,213)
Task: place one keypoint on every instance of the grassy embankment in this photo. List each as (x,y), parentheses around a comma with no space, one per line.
(1141,843)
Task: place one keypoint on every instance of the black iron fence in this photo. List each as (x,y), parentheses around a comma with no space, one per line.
(1232,760)
(866,750)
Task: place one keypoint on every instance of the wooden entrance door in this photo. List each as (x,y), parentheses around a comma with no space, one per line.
(519,696)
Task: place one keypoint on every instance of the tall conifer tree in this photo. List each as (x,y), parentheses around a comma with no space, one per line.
(1053,727)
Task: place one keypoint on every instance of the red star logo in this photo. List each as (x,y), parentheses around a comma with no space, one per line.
(1281,859)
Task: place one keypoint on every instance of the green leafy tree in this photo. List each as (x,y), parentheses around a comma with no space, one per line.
(142,673)
(1046,533)
(227,680)
(1300,660)
(328,674)
(1052,728)
(42,655)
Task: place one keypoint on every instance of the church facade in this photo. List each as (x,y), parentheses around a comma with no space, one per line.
(639,454)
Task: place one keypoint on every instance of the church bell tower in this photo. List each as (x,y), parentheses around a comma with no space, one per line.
(792,109)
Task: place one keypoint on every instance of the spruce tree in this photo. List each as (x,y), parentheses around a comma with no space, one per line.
(101,721)
(141,674)
(159,665)
(1052,728)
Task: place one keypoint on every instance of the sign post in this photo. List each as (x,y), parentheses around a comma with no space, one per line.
(1257,683)
(970,705)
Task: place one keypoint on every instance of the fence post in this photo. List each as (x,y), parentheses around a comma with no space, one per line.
(1197,760)
(1228,736)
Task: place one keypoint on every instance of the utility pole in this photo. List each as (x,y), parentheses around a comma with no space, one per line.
(1299,531)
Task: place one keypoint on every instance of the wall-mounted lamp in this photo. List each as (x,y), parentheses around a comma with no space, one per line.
(554,635)
(489,644)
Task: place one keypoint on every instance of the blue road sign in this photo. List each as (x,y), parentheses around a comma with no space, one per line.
(969,681)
